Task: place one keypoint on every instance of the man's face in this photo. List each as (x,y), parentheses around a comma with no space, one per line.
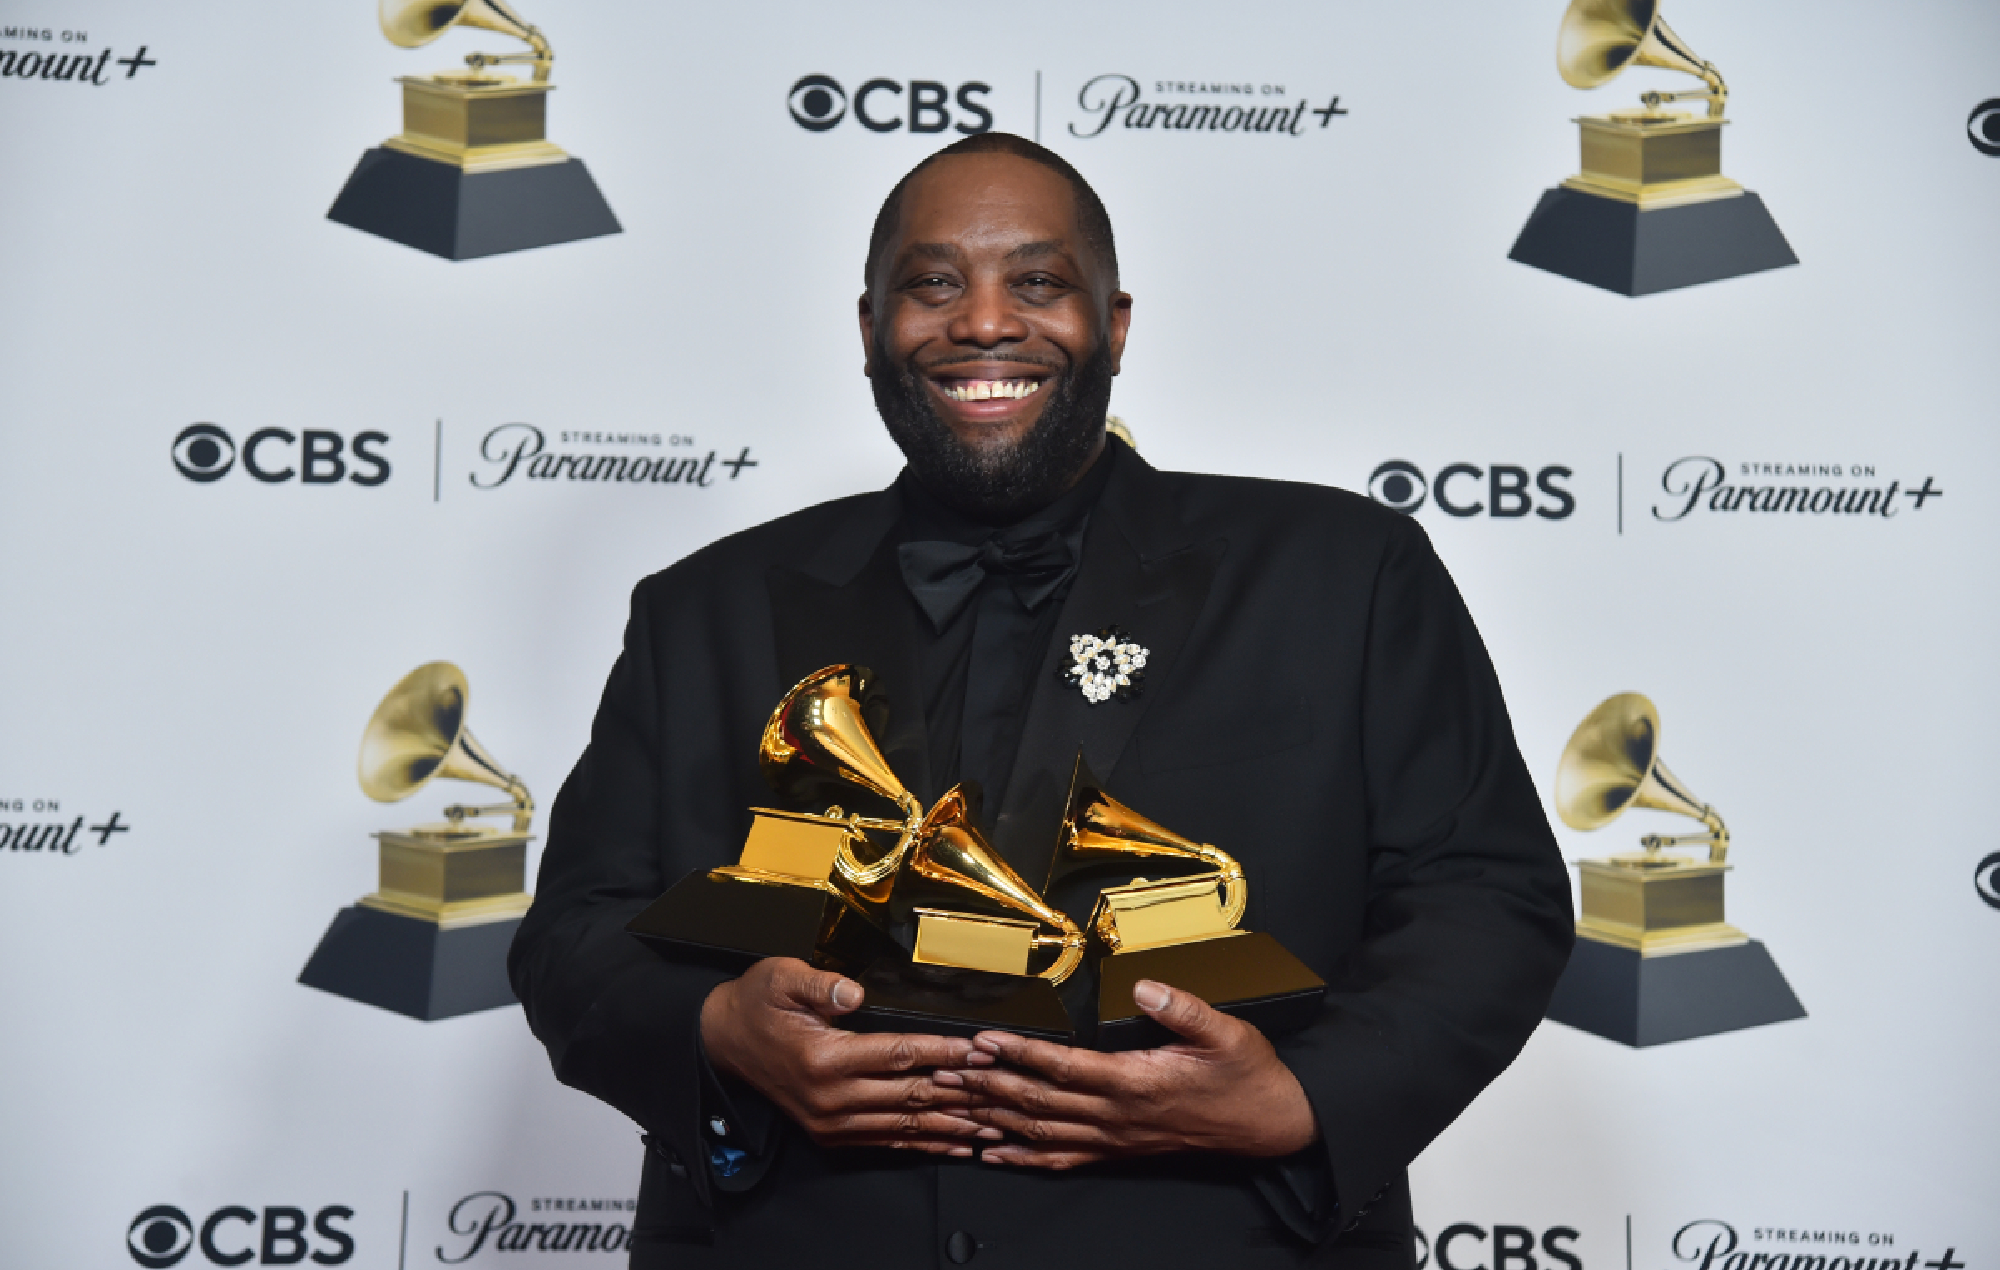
(991,335)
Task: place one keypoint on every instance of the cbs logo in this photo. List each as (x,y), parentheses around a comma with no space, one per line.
(1513,1248)
(818,103)
(162,1236)
(1982,127)
(205,453)
(1459,488)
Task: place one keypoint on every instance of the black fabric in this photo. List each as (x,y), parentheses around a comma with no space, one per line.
(1318,703)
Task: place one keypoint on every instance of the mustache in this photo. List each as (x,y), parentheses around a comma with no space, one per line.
(1057,365)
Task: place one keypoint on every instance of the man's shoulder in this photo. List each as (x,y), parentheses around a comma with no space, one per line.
(1233,506)
(793,539)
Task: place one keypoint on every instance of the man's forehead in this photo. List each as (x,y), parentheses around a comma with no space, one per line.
(990,200)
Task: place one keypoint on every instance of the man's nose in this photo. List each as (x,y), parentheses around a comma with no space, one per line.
(987,315)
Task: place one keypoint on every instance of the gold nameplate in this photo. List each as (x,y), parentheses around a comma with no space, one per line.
(1153,914)
(452,877)
(791,844)
(476,124)
(1655,905)
(973,942)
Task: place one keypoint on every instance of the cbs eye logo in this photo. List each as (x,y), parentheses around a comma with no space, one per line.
(1987,878)
(1982,127)
(160,1236)
(1400,486)
(205,453)
(818,103)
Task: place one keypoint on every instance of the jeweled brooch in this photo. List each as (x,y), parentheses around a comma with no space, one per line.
(1106,666)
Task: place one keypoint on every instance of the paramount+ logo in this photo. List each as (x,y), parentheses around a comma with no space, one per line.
(233,1235)
(1502,491)
(819,103)
(205,453)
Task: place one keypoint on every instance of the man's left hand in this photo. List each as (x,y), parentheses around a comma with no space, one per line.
(1220,1088)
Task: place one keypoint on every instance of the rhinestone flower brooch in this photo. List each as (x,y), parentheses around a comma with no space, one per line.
(1105,666)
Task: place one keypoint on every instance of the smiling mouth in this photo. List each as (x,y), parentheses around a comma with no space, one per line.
(988,389)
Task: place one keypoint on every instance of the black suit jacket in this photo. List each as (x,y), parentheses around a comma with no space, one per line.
(1317,703)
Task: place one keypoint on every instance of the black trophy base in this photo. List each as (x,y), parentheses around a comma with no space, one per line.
(1639,1001)
(460,215)
(731,923)
(412,967)
(1250,976)
(900,995)
(1614,245)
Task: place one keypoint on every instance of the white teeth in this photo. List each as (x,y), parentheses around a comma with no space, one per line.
(988,389)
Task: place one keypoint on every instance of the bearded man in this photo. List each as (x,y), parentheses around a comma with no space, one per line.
(1317,701)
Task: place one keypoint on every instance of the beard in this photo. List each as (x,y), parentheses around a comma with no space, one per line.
(1002,480)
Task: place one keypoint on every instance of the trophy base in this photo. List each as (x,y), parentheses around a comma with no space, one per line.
(439,208)
(413,967)
(1622,996)
(904,996)
(1633,250)
(733,921)
(1249,975)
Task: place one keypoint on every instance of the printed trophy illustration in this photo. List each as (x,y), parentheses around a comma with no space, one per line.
(1655,961)
(472,173)
(806,883)
(1180,930)
(1650,211)
(432,941)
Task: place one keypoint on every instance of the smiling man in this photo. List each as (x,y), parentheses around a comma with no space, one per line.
(1317,702)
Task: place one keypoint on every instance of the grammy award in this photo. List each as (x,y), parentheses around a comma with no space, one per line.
(1650,210)
(1655,959)
(431,942)
(472,173)
(1181,930)
(807,883)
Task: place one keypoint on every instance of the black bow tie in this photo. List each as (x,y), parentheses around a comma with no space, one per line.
(944,575)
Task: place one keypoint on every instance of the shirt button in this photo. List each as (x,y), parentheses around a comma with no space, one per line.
(960,1247)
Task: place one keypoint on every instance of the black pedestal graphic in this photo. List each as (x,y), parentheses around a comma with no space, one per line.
(1640,1001)
(731,922)
(1616,246)
(1250,976)
(459,215)
(412,967)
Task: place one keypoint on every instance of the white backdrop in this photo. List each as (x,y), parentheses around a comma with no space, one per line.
(199,658)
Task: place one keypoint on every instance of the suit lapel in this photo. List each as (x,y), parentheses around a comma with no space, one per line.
(846,603)
(1142,571)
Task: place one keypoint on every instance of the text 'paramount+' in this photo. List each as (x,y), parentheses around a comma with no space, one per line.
(522,449)
(1224,106)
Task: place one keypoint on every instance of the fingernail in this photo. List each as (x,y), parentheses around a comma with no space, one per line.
(1150,995)
(979,1058)
(987,1042)
(993,1157)
(991,1134)
(943,1077)
(962,1152)
(846,995)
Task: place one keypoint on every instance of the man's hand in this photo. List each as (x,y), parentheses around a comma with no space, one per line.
(1222,1088)
(770,1029)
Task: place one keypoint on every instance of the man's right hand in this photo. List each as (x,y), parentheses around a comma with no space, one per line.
(771,1028)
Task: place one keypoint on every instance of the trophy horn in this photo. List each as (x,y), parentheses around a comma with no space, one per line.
(1612,763)
(818,740)
(418,734)
(1099,830)
(951,861)
(414,23)
(1599,39)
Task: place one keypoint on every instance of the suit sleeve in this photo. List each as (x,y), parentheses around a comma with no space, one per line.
(618,1022)
(1468,921)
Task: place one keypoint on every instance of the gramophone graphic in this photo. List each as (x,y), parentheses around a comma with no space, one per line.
(1181,930)
(472,173)
(432,941)
(1650,210)
(1655,961)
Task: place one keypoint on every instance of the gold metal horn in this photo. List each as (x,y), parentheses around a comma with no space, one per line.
(414,23)
(817,739)
(1612,763)
(952,863)
(418,734)
(1599,39)
(1099,830)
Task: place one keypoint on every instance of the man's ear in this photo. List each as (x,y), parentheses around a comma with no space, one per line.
(867,314)
(1121,322)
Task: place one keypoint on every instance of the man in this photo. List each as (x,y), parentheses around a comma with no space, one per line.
(1316,701)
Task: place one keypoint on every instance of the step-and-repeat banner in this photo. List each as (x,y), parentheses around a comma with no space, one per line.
(313,377)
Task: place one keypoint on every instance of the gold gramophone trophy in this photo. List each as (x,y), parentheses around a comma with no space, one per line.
(431,941)
(473,172)
(1181,930)
(806,883)
(1655,959)
(1650,210)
